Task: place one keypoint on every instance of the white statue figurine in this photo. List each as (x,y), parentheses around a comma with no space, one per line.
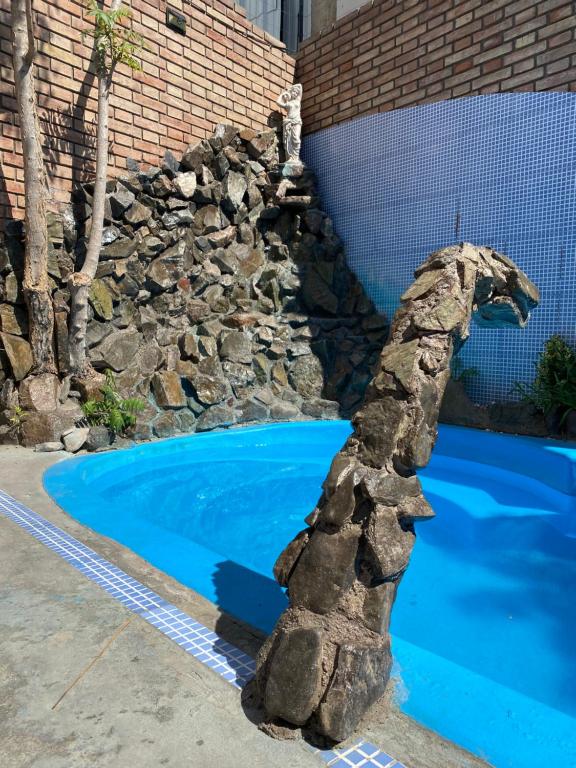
(290,100)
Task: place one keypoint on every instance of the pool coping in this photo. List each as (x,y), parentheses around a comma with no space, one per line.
(206,646)
(415,745)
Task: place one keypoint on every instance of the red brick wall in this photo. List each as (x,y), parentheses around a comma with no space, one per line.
(398,53)
(223,70)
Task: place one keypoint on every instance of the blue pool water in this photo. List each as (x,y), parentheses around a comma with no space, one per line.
(484,628)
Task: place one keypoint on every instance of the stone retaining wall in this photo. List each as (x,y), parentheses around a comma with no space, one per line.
(222,296)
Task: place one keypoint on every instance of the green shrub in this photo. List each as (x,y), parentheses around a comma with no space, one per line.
(112,410)
(553,390)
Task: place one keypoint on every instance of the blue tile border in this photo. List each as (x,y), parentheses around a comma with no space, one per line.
(225,659)
(206,646)
(361,755)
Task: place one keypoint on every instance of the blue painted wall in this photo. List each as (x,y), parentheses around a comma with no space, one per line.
(494,170)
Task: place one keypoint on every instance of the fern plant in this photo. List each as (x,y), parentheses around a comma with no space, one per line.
(553,390)
(112,410)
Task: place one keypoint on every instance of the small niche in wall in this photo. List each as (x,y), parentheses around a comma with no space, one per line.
(175,20)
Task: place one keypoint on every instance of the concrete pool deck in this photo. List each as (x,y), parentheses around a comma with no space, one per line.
(84,681)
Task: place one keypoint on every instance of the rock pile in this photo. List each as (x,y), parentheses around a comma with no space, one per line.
(329,658)
(222,296)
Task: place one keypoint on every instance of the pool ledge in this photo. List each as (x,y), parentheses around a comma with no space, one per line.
(229,662)
(21,476)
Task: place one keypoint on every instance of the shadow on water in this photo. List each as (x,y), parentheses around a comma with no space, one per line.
(244,597)
(259,601)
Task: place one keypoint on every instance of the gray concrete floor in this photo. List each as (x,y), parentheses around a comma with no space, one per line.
(84,682)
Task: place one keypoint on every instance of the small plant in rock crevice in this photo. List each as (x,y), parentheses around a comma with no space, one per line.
(553,390)
(16,420)
(112,410)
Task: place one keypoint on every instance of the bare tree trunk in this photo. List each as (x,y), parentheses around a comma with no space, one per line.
(35,283)
(81,281)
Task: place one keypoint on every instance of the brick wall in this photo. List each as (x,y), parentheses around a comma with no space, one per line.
(398,53)
(223,70)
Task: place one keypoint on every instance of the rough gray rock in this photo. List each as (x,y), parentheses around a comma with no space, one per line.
(13,320)
(360,679)
(208,219)
(75,438)
(307,376)
(49,447)
(101,300)
(185,184)
(197,155)
(237,347)
(234,188)
(209,390)
(19,354)
(165,424)
(40,393)
(293,685)
(47,426)
(137,214)
(121,248)
(167,389)
(121,199)
(165,270)
(216,416)
(116,351)
(284,411)
(99,437)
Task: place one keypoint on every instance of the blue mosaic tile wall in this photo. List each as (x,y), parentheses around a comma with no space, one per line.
(494,170)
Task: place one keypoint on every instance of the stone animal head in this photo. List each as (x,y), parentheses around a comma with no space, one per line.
(465,282)
(503,296)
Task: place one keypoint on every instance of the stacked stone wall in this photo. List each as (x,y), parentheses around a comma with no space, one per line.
(222,297)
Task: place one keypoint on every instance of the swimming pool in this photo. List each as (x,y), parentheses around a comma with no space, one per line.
(484,627)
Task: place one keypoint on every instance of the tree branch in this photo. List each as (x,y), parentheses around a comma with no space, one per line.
(30,27)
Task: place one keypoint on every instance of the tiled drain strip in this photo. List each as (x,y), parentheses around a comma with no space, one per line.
(206,646)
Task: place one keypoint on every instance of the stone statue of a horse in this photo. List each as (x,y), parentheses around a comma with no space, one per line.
(328,658)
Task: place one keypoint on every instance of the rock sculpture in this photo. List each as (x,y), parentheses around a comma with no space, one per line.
(328,658)
(290,100)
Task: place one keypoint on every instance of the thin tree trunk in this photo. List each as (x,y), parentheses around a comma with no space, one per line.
(35,284)
(81,281)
